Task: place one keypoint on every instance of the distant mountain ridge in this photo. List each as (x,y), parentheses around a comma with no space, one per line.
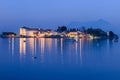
(94,24)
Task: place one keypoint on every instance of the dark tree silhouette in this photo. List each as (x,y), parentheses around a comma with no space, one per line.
(96,32)
(62,29)
(111,34)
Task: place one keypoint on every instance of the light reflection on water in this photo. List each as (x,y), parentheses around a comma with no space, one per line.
(50,48)
(63,51)
(13,46)
(22,48)
(94,55)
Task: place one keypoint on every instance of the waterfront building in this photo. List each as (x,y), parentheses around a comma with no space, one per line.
(36,32)
(29,32)
(8,34)
(72,34)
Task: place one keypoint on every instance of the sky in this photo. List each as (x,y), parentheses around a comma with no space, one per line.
(52,13)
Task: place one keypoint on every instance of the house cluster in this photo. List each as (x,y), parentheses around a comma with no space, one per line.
(48,33)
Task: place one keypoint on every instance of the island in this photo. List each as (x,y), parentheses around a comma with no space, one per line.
(62,32)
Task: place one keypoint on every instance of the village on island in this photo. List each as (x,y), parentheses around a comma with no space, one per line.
(61,32)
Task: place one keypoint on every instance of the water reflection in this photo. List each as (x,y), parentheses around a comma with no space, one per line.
(76,52)
(13,46)
(42,47)
(48,42)
(46,50)
(9,42)
(49,57)
(22,47)
(56,43)
(59,56)
(81,51)
(58,50)
(61,50)
(31,43)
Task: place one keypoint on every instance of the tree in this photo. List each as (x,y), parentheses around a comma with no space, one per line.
(96,32)
(62,29)
(111,34)
(83,29)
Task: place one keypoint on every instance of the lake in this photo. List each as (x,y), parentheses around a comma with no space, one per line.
(59,59)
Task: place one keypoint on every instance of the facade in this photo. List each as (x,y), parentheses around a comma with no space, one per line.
(72,34)
(35,32)
(29,32)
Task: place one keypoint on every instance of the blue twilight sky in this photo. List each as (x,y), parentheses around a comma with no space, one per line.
(51,13)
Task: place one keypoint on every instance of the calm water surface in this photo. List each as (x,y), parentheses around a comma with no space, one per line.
(59,59)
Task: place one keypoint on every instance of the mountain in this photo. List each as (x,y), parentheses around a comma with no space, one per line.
(102,24)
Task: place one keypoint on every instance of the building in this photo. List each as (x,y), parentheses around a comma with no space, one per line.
(8,34)
(29,32)
(36,32)
(82,35)
(72,34)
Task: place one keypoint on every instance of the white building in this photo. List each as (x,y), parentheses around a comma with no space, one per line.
(29,32)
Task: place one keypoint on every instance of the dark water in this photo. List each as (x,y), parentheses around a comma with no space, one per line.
(59,59)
